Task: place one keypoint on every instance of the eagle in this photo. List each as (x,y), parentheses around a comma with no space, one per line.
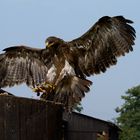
(60,70)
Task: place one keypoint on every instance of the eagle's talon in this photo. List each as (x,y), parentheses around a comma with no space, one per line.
(38,89)
(47,86)
(44,88)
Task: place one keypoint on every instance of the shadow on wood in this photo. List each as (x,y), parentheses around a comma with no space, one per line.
(82,127)
(29,119)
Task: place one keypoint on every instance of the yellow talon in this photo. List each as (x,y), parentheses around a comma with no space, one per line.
(48,85)
(44,88)
(34,89)
(38,89)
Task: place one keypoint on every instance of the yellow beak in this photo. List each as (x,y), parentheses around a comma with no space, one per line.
(48,45)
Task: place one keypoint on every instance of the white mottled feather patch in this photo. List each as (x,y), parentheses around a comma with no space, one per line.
(51,73)
(68,69)
(81,46)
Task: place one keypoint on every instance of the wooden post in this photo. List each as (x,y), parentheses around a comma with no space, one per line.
(29,119)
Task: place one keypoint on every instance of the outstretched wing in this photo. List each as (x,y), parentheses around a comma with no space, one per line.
(22,64)
(99,47)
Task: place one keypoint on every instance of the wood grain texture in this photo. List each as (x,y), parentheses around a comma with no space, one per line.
(28,119)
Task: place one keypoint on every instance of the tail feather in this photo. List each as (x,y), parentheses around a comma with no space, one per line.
(71,90)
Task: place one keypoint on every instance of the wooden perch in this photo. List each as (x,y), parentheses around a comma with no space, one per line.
(29,119)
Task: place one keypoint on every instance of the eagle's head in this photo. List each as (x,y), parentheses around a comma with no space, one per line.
(53,42)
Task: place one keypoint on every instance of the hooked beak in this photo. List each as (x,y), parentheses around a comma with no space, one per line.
(48,45)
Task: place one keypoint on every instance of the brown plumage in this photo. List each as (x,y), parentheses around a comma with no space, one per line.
(67,64)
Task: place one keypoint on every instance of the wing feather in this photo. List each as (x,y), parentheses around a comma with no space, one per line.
(108,39)
(22,64)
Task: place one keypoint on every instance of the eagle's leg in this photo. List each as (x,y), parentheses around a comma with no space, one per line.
(44,88)
(48,85)
(48,94)
(37,89)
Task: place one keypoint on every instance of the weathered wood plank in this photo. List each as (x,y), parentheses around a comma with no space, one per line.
(27,119)
(2,132)
(11,119)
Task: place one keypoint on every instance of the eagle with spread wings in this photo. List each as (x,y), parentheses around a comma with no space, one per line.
(60,70)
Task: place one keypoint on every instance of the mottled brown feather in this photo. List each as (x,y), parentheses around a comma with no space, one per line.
(108,39)
(21,64)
